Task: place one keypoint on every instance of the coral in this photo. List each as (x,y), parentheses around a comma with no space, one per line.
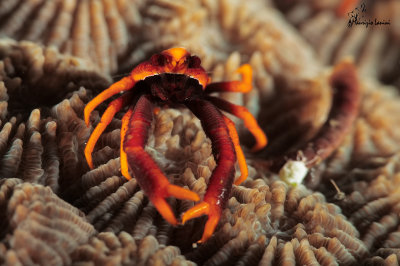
(344,110)
(6,189)
(37,77)
(371,203)
(374,47)
(366,169)
(24,154)
(29,146)
(103,31)
(32,80)
(122,249)
(373,135)
(96,216)
(270,224)
(54,228)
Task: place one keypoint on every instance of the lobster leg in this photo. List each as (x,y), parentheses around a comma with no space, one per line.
(239,152)
(106,118)
(123,157)
(243,85)
(124,84)
(222,177)
(148,175)
(249,121)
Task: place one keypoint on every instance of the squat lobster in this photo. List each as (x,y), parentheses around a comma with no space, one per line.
(176,78)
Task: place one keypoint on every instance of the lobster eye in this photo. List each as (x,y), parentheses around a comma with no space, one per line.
(194,62)
(158,60)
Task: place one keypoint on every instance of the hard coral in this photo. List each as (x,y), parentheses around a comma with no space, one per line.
(373,46)
(122,249)
(266,221)
(271,224)
(365,170)
(98,30)
(372,136)
(33,78)
(54,228)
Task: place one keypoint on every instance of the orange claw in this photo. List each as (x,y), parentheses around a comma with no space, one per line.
(204,208)
(243,85)
(244,172)
(164,209)
(181,193)
(247,74)
(171,191)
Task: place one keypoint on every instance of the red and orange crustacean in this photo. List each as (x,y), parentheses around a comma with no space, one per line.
(175,78)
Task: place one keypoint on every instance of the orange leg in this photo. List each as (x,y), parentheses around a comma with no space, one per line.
(244,172)
(106,118)
(243,85)
(221,180)
(148,175)
(123,158)
(249,121)
(124,84)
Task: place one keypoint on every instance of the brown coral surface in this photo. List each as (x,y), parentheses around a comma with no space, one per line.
(104,31)
(369,31)
(56,55)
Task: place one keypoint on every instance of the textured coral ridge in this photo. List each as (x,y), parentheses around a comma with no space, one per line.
(254,229)
(35,214)
(99,30)
(31,76)
(274,224)
(108,220)
(32,133)
(366,169)
(375,48)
